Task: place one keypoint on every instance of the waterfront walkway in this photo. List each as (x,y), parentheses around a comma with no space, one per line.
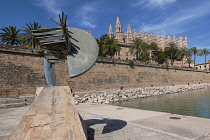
(106,122)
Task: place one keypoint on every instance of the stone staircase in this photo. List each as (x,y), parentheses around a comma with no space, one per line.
(16,102)
(9,92)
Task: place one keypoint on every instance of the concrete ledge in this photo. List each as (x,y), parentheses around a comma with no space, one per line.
(12,105)
(52,116)
(141,124)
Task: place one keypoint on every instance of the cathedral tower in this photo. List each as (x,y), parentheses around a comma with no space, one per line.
(129,36)
(119,34)
(118,26)
(110,32)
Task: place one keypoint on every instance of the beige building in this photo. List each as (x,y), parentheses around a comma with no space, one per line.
(125,38)
(203,66)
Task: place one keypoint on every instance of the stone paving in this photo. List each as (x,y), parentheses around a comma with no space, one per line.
(106,122)
(9,118)
(100,128)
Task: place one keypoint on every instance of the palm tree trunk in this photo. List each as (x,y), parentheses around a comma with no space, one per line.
(205,62)
(112,55)
(171,60)
(182,61)
(137,52)
(194,61)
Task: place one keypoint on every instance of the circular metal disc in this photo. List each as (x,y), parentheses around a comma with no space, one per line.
(84,52)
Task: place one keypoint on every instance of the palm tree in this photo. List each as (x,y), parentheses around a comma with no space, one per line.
(27,37)
(10,35)
(100,42)
(184,53)
(153,49)
(194,51)
(204,52)
(189,61)
(111,46)
(159,56)
(136,46)
(108,46)
(172,52)
(153,46)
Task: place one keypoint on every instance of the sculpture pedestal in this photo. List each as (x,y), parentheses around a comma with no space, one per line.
(52,116)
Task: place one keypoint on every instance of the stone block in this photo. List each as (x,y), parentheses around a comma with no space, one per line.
(52,116)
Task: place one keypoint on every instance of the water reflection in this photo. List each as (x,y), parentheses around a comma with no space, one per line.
(203,108)
(194,103)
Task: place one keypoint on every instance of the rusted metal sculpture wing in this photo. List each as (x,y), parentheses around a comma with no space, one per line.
(84,52)
(78,46)
(49,35)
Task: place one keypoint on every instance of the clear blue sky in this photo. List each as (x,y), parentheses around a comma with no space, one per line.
(173,17)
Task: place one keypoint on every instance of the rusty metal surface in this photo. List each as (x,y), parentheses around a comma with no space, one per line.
(78,46)
(49,71)
(84,52)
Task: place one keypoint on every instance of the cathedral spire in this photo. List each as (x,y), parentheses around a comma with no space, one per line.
(129,34)
(129,29)
(118,26)
(185,37)
(118,20)
(135,33)
(110,32)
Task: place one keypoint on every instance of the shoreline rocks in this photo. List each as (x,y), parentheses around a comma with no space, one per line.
(126,94)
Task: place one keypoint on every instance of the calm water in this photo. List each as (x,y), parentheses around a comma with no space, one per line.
(193,103)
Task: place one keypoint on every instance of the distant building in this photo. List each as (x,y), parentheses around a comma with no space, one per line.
(124,39)
(203,66)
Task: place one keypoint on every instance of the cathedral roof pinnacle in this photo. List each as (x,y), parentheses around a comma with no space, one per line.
(110,32)
(110,28)
(129,28)
(185,37)
(118,26)
(118,20)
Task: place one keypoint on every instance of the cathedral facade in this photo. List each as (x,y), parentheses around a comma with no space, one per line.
(124,39)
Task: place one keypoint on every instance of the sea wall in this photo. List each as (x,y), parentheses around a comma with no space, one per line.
(126,94)
(22,70)
(106,76)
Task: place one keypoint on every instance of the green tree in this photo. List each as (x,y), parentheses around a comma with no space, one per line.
(136,47)
(27,37)
(204,52)
(189,61)
(144,55)
(183,53)
(159,56)
(194,52)
(153,49)
(10,35)
(108,46)
(100,42)
(145,52)
(172,52)
(153,46)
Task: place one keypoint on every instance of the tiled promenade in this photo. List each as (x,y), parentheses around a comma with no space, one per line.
(106,122)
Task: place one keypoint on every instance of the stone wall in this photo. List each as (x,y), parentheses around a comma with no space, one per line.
(20,73)
(104,76)
(24,72)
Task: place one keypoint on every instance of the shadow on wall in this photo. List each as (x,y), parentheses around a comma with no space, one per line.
(110,126)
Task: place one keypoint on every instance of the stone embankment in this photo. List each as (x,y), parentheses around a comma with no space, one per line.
(116,96)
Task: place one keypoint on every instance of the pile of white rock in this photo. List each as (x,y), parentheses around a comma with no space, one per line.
(116,96)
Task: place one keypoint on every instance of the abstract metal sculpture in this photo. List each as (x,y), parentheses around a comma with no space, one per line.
(77,46)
